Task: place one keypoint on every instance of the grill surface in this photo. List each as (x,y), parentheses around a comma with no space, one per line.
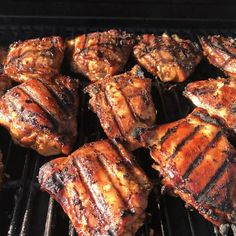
(24,209)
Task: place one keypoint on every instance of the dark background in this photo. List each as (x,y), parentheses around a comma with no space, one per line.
(195,9)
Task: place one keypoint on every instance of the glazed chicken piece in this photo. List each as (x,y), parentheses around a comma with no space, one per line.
(3,56)
(168,57)
(98,54)
(220,52)
(100,187)
(34,58)
(123,104)
(42,114)
(218,97)
(5,81)
(198,164)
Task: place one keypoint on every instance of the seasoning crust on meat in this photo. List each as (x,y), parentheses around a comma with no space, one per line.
(99,54)
(42,114)
(220,52)
(198,164)
(5,81)
(123,104)
(34,58)
(218,97)
(100,187)
(168,57)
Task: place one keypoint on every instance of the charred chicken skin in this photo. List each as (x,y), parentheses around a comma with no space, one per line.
(220,52)
(100,187)
(123,104)
(34,58)
(218,97)
(168,57)
(99,54)
(198,164)
(42,114)
(5,81)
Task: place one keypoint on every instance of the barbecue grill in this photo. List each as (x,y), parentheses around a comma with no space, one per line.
(24,209)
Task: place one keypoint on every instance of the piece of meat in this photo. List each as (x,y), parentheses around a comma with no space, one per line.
(123,103)
(198,164)
(3,56)
(220,52)
(34,58)
(42,114)
(168,57)
(5,81)
(218,97)
(99,54)
(100,187)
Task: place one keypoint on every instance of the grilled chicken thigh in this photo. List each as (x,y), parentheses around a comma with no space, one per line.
(101,53)
(218,97)
(34,58)
(41,114)
(5,81)
(100,187)
(168,57)
(221,52)
(197,163)
(123,104)
(3,56)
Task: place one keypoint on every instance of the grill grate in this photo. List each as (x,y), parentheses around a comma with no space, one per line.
(25,210)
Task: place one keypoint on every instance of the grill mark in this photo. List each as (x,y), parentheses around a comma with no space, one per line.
(206,118)
(134,115)
(226,49)
(94,207)
(184,141)
(169,132)
(30,121)
(215,178)
(199,158)
(125,161)
(174,50)
(82,209)
(103,165)
(86,185)
(218,46)
(49,116)
(59,102)
(65,90)
(114,116)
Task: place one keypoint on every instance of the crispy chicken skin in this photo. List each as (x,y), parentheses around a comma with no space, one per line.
(198,164)
(34,58)
(5,81)
(100,187)
(218,97)
(168,57)
(98,54)
(123,104)
(42,114)
(220,52)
